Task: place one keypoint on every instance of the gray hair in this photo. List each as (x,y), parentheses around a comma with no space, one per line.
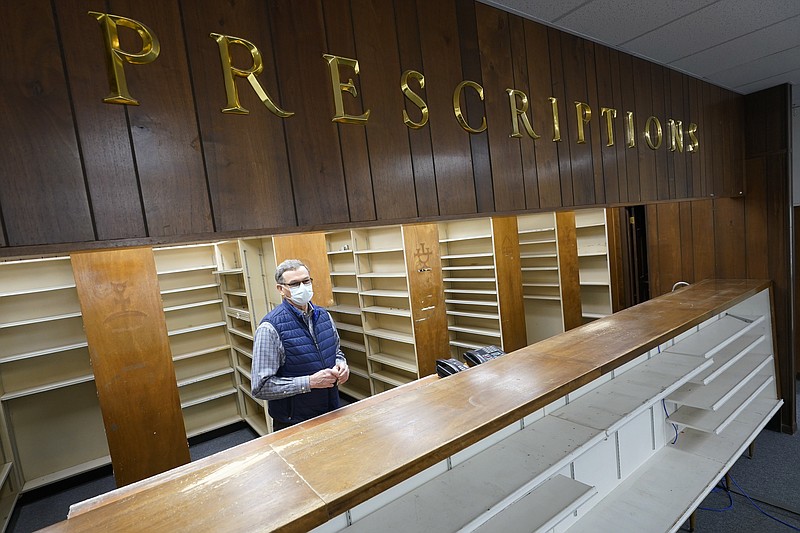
(288,265)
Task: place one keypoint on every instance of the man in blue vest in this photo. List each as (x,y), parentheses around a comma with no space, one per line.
(297,361)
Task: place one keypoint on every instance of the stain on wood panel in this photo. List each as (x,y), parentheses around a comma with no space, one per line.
(132,362)
(685,243)
(731,256)
(389,150)
(628,96)
(653,255)
(590,50)
(668,246)
(664,181)
(605,78)
(573,57)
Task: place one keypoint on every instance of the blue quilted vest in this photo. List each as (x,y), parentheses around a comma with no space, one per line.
(303,358)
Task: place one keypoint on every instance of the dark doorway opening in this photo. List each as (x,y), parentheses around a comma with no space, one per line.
(638,283)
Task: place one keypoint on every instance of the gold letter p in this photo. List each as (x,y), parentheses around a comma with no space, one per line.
(115,56)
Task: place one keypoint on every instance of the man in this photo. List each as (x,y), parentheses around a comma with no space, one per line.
(297,361)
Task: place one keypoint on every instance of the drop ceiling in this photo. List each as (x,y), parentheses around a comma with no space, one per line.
(743,45)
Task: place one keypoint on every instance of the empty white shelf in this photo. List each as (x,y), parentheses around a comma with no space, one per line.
(352,345)
(487,303)
(727,356)
(716,421)
(614,403)
(394,361)
(540,509)
(483,482)
(472,314)
(388,334)
(379,310)
(385,292)
(475,330)
(467,256)
(345,309)
(344,326)
(714,395)
(715,336)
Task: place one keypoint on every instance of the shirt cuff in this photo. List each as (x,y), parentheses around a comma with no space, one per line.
(305,384)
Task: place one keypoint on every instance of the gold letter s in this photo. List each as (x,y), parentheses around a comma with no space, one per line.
(414,97)
(115,56)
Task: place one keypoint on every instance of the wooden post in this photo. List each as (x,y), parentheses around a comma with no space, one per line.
(508,269)
(129,348)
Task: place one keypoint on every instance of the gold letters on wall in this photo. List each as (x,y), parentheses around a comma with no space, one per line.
(518,101)
(116,56)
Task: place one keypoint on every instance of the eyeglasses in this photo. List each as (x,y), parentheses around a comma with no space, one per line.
(295,284)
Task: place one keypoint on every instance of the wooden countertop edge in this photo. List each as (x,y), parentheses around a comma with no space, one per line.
(336,505)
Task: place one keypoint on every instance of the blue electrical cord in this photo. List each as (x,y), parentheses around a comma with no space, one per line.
(754,504)
(674,426)
(664,405)
(719,487)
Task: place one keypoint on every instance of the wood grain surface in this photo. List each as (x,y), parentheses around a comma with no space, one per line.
(132,362)
(296,479)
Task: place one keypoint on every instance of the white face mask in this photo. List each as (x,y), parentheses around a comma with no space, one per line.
(301,294)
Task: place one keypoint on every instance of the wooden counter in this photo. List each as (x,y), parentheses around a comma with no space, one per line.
(299,478)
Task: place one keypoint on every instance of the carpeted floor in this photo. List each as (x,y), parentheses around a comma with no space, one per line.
(771,479)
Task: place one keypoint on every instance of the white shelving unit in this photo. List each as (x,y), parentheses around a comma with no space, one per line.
(52,427)
(195,315)
(241,277)
(384,299)
(541,285)
(470,284)
(346,312)
(604,457)
(593,263)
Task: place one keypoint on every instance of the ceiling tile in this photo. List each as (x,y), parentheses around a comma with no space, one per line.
(617,21)
(760,69)
(714,24)
(545,11)
(744,49)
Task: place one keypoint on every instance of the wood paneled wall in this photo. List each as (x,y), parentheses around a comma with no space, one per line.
(745,237)
(81,173)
